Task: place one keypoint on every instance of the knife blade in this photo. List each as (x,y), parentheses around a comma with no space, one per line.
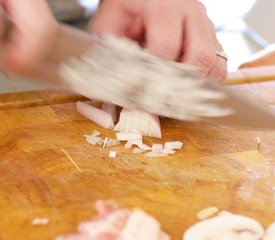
(118,71)
(249,111)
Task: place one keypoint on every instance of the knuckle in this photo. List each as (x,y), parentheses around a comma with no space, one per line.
(167,47)
(199,7)
(222,75)
(205,59)
(219,74)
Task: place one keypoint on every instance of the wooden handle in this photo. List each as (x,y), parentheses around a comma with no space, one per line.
(251,75)
(265,57)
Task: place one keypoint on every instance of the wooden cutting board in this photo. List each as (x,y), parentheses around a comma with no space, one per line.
(47,169)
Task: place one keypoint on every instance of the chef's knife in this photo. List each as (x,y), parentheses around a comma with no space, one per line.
(117,70)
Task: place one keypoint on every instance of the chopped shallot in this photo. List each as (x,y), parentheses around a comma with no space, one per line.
(96,115)
(168,151)
(137,143)
(139,121)
(155,154)
(92,140)
(128,145)
(95,133)
(126,136)
(138,150)
(156,147)
(112,154)
(173,145)
(105,142)
(100,142)
(111,109)
(112,142)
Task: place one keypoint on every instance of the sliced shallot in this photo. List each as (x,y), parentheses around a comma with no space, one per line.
(176,145)
(112,154)
(156,147)
(138,150)
(112,142)
(126,136)
(96,115)
(139,121)
(156,154)
(111,109)
(93,140)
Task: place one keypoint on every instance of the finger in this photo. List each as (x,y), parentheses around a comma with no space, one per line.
(219,70)
(163,29)
(199,44)
(111,18)
(135,30)
(32,21)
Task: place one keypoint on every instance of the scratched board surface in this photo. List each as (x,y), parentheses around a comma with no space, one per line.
(47,169)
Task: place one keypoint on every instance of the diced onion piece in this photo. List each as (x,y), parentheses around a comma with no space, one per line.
(154,129)
(173,145)
(144,147)
(105,142)
(100,142)
(93,140)
(96,115)
(95,133)
(112,154)
(137,143)
(156,147)
(119,127)
(112,142)
(168,151)
(139,121)
(111,109)
(40,221)
(128,144)
(120,136)
(138,150)
(156,154)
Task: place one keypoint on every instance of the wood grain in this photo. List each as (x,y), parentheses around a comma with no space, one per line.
(38,98)
(218,166)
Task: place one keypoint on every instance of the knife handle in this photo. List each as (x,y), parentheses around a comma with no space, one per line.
(251,75)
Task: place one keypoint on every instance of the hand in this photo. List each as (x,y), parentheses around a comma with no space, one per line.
(31,38)
(172,29)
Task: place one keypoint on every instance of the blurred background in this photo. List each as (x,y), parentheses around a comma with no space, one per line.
(243,28)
